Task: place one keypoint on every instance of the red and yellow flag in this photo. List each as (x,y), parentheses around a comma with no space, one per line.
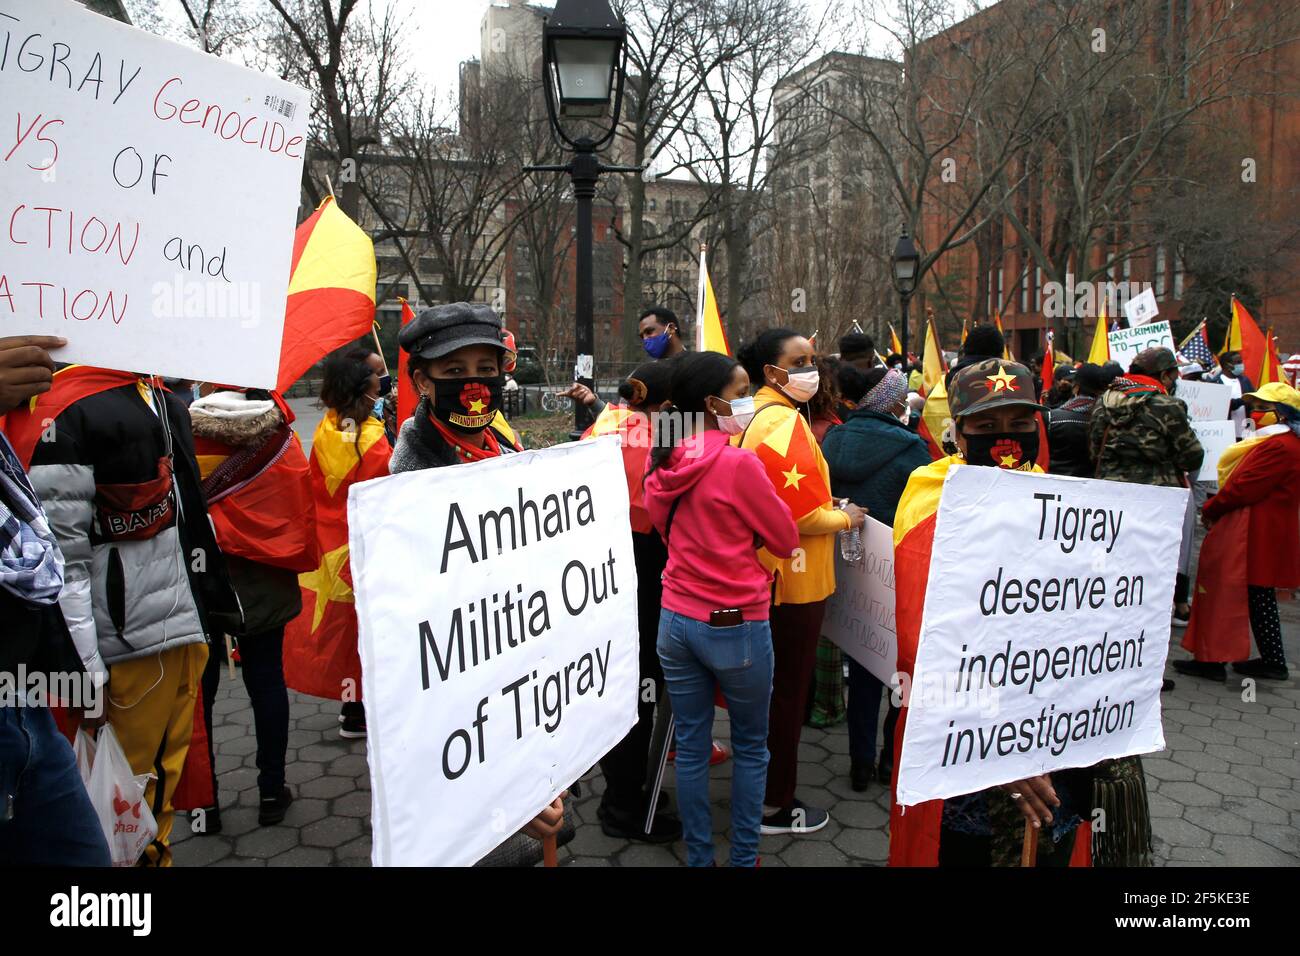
(791,465)
(1049,362)
(1244,336)
(331,290)
(935,415)
(407,398)
(895,346)
(320,644)
(1272,368)
(710,336)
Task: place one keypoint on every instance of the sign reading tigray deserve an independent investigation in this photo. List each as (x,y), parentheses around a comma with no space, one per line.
(497,608)
(148,197)
(1044,632)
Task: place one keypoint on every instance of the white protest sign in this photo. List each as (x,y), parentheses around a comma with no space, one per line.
(1215,438)
(860,614)
(148,197)
(1142,308)
(1205,401)
(1126,343)
(497,609)
(1045,629)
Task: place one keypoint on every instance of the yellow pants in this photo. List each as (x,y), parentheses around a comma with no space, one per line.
(151,709)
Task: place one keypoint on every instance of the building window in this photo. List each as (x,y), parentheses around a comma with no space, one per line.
(654,204)
(1178,276)
(1024,290)
(1000,272)
(1160,272)
(1038,288)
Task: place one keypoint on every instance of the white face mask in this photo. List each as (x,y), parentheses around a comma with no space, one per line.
(803,384)
(742,411)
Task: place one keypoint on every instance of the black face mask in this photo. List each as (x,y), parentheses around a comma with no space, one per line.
(1014,450)
(385,384)
(467,404)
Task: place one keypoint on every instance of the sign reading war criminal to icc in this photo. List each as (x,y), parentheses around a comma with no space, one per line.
(1044,632)
(148,197)
(497,606)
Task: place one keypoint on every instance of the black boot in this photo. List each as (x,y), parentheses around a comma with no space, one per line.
(271,810)
(665,828)
(1258,667)
(860,774)
(1205,669)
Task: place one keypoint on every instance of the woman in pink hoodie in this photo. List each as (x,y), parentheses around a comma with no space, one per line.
(713,505)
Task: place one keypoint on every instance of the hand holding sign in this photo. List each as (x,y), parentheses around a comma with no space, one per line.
(26,369)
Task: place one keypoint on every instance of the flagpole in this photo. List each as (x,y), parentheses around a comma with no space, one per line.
(699,303)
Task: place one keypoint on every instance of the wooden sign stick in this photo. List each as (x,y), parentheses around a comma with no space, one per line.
(1029,850)
(550,851)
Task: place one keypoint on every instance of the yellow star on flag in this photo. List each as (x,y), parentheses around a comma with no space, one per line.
(792,478)
(1002,382)
(327,583)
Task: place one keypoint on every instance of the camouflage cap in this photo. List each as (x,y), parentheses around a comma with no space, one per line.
(992,383)
(1153,361)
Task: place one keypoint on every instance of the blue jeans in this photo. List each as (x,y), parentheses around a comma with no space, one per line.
(53,822)
(696,657)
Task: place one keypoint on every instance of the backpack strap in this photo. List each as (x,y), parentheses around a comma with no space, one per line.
(755,418)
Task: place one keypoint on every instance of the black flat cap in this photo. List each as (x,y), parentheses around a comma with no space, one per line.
(443,329)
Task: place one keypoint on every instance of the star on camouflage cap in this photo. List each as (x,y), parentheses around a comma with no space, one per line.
(992,383)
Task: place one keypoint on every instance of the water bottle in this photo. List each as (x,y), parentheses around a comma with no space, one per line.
(850,542)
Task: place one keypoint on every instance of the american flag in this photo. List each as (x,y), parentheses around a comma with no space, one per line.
(1196,348)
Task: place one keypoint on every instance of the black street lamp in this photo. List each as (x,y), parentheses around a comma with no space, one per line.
(905,261)
(583,69)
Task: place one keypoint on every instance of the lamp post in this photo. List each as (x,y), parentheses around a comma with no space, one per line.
(905,262)
(583,69)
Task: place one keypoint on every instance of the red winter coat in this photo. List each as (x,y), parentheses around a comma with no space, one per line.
(1267,482)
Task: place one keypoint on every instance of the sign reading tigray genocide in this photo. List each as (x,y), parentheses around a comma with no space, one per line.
(497,607)
(148,197)
(860,614)
(1044,632)
(1127,343)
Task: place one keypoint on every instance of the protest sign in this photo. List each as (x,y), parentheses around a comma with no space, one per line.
(148,195)
(497,609)
(1215,438)
(860,614)
(1205,401)
(1141,309)
(1126,343)
(1044,632)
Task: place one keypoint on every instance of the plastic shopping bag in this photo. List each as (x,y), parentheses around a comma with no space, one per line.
(83,747)
(118,797)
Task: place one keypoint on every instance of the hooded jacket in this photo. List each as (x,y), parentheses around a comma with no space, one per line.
(870,457)
(723,506)
(1139,433)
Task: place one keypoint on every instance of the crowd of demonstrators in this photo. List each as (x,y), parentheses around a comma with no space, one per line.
(735,507)
(710,502)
